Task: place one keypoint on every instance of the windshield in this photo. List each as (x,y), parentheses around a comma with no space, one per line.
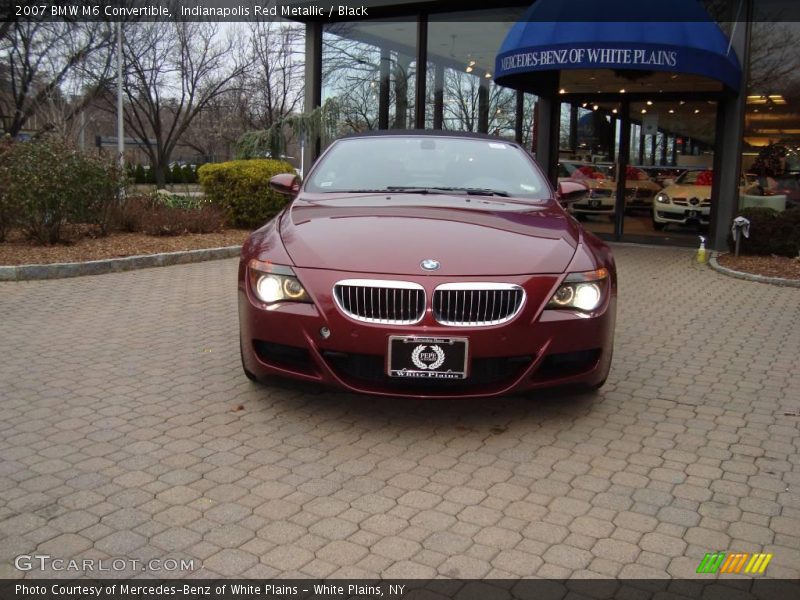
(696,178)
(427,164)
(587,171)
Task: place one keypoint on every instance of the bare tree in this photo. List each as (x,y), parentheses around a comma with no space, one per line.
(273,85)
(352,78)
(357,74)
(214,132)
(774,57)
(174,70)
(39,58)
(462,104)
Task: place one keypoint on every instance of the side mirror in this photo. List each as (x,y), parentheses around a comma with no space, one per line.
(287,184)
(570,191)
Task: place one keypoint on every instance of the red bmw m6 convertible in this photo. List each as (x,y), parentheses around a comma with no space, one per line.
(427,264)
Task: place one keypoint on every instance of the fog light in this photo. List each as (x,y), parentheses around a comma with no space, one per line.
(325,333)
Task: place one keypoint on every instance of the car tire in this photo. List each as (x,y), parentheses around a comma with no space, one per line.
(659,226)
(251,376)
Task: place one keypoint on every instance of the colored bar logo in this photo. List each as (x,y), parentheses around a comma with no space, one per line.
(734,562)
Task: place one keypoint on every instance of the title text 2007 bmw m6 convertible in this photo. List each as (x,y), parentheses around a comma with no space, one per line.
(427,264)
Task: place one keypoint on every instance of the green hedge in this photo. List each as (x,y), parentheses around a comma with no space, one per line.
(771,232)
(241,189)
(46,184)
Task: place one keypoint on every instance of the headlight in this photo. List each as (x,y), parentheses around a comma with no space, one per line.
(275,283)
(581,291)
(662,198)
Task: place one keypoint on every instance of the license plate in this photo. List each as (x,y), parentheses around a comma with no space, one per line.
(427,357)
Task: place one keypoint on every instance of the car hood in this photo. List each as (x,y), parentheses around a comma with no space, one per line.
(642,184)
(394,233)
(592,184)
(703,192)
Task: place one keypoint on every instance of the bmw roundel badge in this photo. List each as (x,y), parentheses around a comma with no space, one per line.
(429,264)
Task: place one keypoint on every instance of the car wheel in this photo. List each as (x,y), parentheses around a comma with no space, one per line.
(659,226)
(247,373)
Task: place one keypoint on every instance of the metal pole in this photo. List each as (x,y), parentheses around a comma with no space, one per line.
(623,159)
(120,123)
(83,131)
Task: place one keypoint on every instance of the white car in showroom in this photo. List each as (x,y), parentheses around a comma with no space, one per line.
(685,201)
(602,190)
(639,188)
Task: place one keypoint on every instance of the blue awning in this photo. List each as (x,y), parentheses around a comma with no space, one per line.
(615,34)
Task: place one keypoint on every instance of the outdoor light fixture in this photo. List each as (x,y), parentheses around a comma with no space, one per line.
(649,103)
(644,111)
(595,107)
(672,111)
(622,91)
(614,110)
(469,69)
(562,91)
(488,75)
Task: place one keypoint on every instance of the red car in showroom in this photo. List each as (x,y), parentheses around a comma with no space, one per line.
(427,264)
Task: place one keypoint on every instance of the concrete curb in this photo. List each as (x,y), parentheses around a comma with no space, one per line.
(712,262)
(114,265)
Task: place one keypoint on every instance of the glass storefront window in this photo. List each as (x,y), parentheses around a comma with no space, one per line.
(369,74)
(462,95)
(771,148)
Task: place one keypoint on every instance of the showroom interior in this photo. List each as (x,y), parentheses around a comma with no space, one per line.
(737,135)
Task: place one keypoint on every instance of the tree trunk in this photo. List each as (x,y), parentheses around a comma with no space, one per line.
(161,174)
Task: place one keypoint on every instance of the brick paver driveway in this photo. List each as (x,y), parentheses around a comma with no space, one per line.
(128,430)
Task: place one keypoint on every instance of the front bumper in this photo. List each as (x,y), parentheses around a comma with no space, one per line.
(593,207)
(638,198)
(682,215)
(536,349)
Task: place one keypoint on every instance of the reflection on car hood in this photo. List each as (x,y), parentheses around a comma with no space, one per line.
(392,233)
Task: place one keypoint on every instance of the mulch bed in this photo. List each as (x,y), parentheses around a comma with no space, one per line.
(116,245)
(769,266)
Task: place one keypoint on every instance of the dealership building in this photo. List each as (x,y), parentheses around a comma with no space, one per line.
(618,87)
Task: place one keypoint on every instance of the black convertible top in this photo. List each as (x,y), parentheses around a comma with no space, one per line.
(427,132)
